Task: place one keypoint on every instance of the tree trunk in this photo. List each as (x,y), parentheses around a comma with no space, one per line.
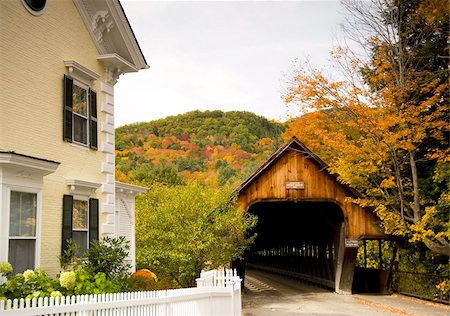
(416,192)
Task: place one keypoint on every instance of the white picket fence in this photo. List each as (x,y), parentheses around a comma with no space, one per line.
(218,293)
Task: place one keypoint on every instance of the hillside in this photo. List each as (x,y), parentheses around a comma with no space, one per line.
(213,147)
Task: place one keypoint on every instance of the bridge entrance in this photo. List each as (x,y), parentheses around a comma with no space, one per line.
(308,226)
(298,239)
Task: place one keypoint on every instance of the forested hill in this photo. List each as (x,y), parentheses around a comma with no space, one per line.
(213,147)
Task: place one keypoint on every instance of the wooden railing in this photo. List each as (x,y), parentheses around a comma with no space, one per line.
(420,285)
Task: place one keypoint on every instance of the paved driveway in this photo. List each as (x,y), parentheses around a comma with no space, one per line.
(269,295)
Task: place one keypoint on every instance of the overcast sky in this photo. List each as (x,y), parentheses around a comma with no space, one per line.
(221,55)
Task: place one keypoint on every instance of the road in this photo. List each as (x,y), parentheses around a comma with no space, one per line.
(270,295)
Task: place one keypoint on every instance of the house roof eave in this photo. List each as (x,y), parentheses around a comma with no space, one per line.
(111,31)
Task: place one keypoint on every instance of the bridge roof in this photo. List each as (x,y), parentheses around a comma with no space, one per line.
(293,144)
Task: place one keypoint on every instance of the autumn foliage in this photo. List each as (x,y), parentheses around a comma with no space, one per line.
(211,147)
(384,127)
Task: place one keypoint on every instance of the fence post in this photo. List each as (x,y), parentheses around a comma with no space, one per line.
(237,297)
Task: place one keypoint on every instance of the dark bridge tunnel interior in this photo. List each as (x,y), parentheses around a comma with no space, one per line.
(298,239)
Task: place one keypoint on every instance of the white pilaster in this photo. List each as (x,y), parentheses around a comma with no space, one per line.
(107,167)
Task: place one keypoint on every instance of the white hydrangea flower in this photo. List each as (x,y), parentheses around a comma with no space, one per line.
(29,275)
(67,279)
(56,294)
(5,267)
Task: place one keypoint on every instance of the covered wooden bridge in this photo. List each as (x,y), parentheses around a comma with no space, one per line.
(306,225)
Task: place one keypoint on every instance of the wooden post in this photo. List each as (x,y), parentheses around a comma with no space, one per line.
(346,261)
(380,255)
(365,253)
(391,265)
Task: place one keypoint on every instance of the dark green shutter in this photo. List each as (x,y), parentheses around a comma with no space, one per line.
(67,109)
(92,119)
(67,220)
(93,220)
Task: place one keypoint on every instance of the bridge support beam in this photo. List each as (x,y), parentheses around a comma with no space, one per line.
(345,265)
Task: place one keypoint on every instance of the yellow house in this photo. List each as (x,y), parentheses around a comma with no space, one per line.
(60,61)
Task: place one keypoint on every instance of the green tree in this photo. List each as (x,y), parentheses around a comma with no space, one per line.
(181,230)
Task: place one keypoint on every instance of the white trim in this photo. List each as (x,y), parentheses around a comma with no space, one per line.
(115,66)
(115,61)
(39,166)
(110,31)
(127,34)
(131,189)
(81,188)
(25,174)
(4,224)
(80,72)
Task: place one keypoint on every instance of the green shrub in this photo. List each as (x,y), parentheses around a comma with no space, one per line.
(82,282)
(102,269)
(108,255)
(31,283)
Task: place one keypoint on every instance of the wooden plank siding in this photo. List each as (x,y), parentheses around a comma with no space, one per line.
(294,162)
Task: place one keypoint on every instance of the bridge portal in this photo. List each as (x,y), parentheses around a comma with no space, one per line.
(307,224)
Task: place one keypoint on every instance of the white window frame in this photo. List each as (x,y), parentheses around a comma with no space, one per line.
(21,173)
(37,250)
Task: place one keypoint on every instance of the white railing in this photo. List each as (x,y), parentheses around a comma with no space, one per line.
(216,295)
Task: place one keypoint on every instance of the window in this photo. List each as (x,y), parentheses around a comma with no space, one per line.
(21,182)
(80,226)
(80,113)
(22,230)
(35,7)
(80,221)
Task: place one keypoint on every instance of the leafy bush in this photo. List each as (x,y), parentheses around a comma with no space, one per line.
(31,283)
(142,280)
(181,230)
(108,255)
(102,269)
(82,282)
(69,256)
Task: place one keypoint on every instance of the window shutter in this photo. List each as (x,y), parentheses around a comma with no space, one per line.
(67,109)
(92,119)
(67,220)
(93,220)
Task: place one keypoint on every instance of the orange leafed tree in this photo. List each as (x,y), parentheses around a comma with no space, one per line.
(385,125)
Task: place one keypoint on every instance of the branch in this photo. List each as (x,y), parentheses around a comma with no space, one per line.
(441,247)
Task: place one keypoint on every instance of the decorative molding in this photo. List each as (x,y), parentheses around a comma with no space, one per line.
(24,174)
(81,187)
(111,32)
(130,189)
(101,22)
(137,58)
(115,66)
(80,72)
(128,206)
(112,75)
